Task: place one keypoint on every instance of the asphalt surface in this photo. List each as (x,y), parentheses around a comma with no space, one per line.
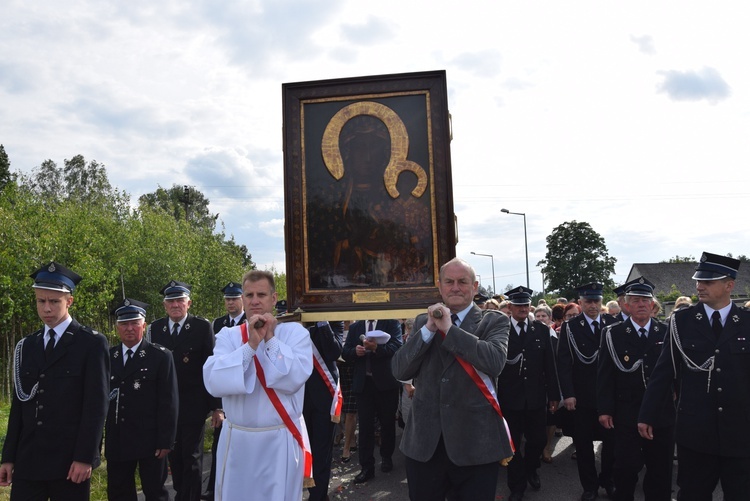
(559,479)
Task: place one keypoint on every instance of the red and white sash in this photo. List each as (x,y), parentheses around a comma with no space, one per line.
(301,438)
(483,382)
(333,386)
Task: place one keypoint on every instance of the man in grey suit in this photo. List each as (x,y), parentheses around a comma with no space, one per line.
(455,436)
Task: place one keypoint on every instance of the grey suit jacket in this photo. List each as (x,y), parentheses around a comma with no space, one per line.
(447,402)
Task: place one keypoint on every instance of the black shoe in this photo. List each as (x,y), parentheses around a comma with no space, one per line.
(364,476)
(534,481)
(515,496)
(588,496)
(611,491)
(386,465)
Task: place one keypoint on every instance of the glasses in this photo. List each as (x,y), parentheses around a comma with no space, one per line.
(568,316)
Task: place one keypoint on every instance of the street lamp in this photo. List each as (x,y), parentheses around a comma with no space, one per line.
(525,239)
(494,290)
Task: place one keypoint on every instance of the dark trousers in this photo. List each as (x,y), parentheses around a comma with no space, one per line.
(438,477)
(52,490)
(632,452)
(531,424)
(699,473)
(214,449)
(186,462)
(382,404)
(321,431)
(586,429)
(121,479)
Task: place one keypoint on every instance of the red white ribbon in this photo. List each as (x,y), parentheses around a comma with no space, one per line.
(333,386)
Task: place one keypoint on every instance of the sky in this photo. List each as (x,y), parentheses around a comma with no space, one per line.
(631,116)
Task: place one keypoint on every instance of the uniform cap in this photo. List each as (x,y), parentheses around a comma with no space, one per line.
(175,290)
(232,289)
(55,277)
(715,267)
(590,291)
(131,309)
(520,295)
(640,286)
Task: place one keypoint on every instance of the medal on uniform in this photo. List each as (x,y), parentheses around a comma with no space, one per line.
(186,359)
(626,358)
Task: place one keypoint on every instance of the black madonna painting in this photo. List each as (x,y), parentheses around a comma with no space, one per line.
(367,174)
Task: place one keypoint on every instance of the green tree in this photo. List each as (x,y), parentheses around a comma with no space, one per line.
(4,168)
(576,255)
(184,203)
(680,259)
(47,181)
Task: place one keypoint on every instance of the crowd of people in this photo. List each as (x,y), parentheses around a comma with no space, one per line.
(477,383)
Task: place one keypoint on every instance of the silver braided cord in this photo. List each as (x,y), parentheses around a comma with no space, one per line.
(707,366)
(17,357)
(586,360)
(638,364)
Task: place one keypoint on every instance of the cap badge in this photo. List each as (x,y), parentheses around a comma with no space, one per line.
(126,303)
(172,283)
(51,268)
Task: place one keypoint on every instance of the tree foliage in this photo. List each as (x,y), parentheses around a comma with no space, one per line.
(680,259)
(183,203)
(4,168)
(74,216)
(576,255)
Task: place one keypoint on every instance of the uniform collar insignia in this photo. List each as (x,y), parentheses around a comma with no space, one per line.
(583,323)
(117,354)
(656,328)
(735,318)
(628,330)
(164,329)
(187,326)
(699,316)
(142,352)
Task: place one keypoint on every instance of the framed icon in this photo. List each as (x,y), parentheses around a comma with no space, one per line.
(368,194)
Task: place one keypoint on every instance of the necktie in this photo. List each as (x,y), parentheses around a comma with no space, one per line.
(596,328)
(454,319)
(231,323)
(50,345)
(128,358)
(716,324)
(175,329)
(370,325)
(644,337)
(521,328)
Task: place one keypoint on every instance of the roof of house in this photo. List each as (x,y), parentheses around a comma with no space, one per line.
(664,275)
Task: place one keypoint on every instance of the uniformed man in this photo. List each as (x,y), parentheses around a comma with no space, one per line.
(577,356)
(142,419)
(708,353)
(191,341)
(235,316)
(527,386)
(622,302)
(60,398)
(627,358)
(321,393)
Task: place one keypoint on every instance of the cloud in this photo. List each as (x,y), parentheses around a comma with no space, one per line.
(14,78)
(485,63)
(645,44)
(371,32)
(273,228)
(694,85)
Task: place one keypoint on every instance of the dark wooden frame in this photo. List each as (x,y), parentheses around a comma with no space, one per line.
(314,121)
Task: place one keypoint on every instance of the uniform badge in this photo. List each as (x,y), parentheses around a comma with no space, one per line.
(51,268)
(126,302)
(136,385)
(141,353)
(185,359)
(164,329)
(626,358)
(117,354)
(656,328)
(628,330)
(699,316)
(583,322)
(172,283)
(187,326)
(735,318)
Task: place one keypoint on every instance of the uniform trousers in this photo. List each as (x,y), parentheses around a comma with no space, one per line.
(121,479)
(186,461)
(439,477)
(320,430)
(699,473)
(586,429)
(54,490)
(529,423)
(383,404)
(632,452)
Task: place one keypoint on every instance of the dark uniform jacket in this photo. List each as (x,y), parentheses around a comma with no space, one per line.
(193,346)
(329,343)
(380,360)
(619,393)
(143,403)
(711,418)
(578,379)
(64,421)
(222,322)
(532,381)
(447,402)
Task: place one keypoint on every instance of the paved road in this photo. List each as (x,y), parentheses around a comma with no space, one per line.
(559,479)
